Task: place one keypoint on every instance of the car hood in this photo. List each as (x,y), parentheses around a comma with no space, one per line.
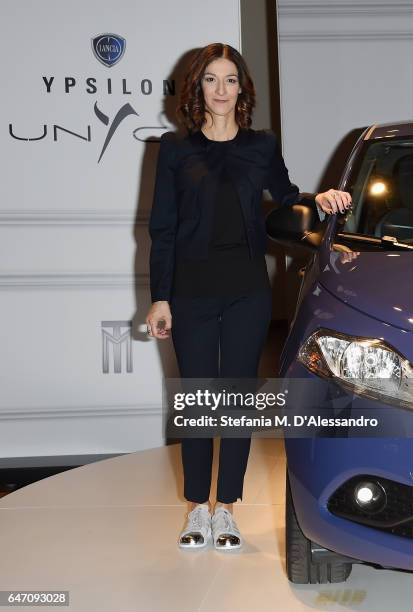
(379,284)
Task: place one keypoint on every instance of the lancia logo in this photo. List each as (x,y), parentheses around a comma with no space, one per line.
(108,48)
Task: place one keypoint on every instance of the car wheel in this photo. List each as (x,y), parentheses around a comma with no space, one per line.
(300,567)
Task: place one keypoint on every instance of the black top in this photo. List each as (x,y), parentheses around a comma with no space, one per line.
(229,268)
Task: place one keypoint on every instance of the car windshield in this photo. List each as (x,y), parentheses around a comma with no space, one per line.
(381,185)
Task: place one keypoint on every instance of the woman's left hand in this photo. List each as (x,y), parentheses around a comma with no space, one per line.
(333,201)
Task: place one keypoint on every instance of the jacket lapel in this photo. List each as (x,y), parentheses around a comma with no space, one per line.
(237,164)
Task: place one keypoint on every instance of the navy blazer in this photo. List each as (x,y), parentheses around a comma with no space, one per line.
(185,185)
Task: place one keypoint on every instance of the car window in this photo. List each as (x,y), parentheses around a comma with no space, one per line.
(381,185)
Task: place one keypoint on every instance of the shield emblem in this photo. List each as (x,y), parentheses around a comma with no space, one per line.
(108,48)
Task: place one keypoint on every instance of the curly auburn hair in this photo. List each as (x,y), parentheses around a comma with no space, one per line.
(191,108)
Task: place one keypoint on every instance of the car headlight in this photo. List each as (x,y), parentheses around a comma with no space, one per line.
(368,366)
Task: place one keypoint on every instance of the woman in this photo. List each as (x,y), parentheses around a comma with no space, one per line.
(209,281)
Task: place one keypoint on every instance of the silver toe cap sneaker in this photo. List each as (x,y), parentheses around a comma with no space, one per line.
(197,531)
(225,532)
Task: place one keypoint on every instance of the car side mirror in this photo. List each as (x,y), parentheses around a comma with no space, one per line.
(296,224)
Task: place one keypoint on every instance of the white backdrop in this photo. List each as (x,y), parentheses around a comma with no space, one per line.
(73,229)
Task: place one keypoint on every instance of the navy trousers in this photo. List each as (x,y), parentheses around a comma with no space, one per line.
(218,337)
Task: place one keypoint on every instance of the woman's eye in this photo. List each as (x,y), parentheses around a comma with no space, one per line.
(209,79)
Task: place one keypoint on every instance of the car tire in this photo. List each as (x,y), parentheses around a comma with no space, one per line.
(300,567)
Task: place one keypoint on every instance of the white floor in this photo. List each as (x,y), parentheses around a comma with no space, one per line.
(107,532)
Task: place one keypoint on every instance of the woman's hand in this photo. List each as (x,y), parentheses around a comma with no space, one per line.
(333,201)
(159,320)
(349,256)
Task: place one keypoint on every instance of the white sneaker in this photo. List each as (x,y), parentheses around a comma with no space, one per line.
(225,532)
(197,532)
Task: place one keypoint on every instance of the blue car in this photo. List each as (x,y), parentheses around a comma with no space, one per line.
(349,499)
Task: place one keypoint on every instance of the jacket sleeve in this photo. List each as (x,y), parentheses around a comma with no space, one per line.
(279,185)
(163,223)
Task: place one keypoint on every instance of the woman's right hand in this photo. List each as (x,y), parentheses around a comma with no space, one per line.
(159,320)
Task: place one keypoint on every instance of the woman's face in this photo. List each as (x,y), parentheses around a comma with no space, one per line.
(220,86)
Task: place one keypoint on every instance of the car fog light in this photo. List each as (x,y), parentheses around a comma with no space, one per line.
(370,496)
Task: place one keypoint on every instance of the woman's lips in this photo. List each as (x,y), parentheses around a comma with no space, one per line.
(220,100)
